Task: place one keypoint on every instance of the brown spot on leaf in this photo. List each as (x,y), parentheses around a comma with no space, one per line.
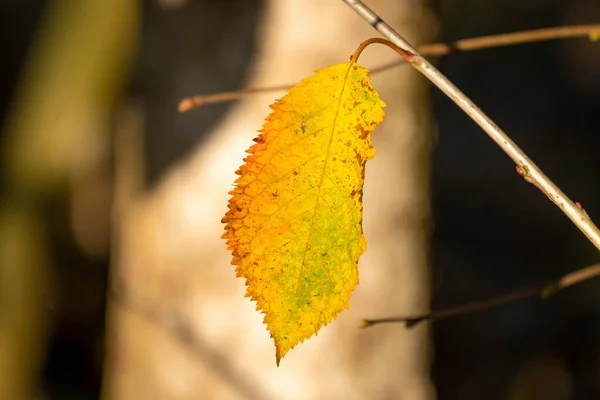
(359,157)
(363,132)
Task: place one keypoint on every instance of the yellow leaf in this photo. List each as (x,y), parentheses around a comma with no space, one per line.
(294,223)
(595,36)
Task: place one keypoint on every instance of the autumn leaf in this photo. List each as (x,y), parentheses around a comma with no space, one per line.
(294,223)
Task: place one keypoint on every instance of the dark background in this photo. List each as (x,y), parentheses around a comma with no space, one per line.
(493,232)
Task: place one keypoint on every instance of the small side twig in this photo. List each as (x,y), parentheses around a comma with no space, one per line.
(188,103)
(431,50)
(543,290)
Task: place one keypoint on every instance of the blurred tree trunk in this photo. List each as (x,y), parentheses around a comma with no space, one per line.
(181,327)
(56,137)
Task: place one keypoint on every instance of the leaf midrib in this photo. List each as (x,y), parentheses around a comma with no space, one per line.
(312,223)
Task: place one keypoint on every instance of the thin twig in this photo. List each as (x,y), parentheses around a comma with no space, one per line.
(431,50)
(578,276)
(525,167)
(543,290)
(197,101)
(510,39)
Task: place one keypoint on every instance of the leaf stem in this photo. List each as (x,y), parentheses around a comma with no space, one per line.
(525,167)
(385,42)
(431,49)
(543,290)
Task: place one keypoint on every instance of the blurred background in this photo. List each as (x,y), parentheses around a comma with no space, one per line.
(114,282)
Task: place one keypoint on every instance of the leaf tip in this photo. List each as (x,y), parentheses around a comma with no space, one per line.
(278,353)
